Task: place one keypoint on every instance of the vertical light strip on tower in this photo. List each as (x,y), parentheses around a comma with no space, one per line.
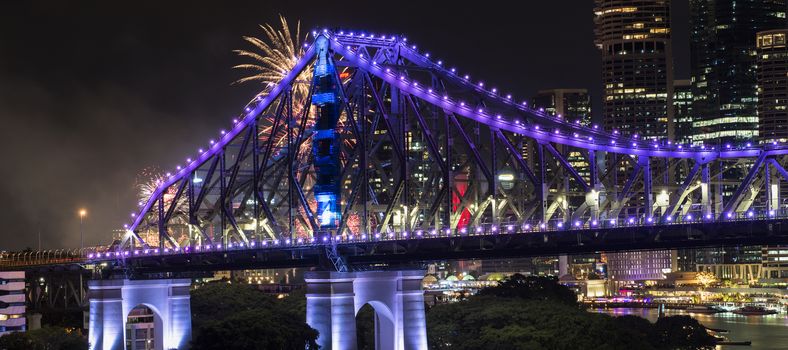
(325,141)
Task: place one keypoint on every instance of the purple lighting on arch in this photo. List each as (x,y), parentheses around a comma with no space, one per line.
(560,136)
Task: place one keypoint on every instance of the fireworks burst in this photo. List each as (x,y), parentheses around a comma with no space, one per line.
(148,181)
(279,53)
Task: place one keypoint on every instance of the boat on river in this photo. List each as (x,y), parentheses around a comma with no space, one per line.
(750,310)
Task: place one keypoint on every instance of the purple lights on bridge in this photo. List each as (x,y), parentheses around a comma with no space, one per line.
(325,238)
(640,147)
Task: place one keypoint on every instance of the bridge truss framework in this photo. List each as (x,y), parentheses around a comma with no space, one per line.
(424,150)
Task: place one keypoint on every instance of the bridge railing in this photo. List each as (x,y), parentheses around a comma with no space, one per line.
(43,257)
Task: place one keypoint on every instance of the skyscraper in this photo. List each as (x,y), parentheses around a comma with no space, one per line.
(637,68)
(572,104)
(723,59)
(637,76)
(682,110)
(772,80)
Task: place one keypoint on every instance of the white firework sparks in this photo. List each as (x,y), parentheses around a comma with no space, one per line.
(279,52)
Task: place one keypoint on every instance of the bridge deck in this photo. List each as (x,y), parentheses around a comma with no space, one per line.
(385,253)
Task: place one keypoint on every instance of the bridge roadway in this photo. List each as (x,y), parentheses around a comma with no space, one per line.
(421,248)
(412,252)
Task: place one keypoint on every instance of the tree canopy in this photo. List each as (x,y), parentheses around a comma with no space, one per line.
(235,316)
(532,288)
(538,313)
(45,338)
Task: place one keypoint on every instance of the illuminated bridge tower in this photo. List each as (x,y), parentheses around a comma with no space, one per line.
(325,146)
(334,298)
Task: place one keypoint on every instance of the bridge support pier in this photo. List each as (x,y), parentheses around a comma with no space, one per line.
(334,298)
(111,301)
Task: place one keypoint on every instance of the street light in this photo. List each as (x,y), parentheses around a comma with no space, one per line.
(82,213)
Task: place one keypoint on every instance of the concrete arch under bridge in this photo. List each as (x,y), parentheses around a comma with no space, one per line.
(111,302)
(334,298)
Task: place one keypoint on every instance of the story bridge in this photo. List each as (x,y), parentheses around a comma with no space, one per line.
(371,158)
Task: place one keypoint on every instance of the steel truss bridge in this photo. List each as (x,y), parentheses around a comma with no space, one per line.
(370,153)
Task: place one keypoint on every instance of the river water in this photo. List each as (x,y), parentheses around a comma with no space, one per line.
(766,332)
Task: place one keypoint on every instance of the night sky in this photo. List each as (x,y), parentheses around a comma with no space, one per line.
(92,92)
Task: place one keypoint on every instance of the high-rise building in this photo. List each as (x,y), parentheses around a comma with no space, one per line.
(637,66)
(583,266)
(723,60)
(682,110)
(645,265)
(571,104)
(775,265)
(685,259)
(738,263)
(539,266)
(772,80)
(12,302)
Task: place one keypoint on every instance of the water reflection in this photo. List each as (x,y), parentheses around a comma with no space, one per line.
(766,332)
